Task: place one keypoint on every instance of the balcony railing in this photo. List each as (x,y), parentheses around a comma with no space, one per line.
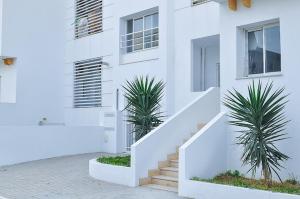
(136,41)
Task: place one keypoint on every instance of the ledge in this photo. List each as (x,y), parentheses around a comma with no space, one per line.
(261,76)
(216,191)
(111,173)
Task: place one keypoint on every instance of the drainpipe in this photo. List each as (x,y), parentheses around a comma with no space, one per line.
(117,100)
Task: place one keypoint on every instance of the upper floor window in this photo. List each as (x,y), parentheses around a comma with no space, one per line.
(88,19)
(196,2)
(140,33)
(263,49)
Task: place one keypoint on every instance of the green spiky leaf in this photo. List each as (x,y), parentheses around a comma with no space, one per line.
(262,122)
(144,96)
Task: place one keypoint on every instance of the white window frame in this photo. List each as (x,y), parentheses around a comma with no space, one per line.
(199,2)
(257,28)
(124,41)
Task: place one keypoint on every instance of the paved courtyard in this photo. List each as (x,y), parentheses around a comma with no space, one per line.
(66,178)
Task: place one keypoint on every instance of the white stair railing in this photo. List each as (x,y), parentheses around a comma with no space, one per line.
(204,155)
(155,146)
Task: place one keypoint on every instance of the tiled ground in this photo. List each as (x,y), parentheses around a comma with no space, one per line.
(66,178)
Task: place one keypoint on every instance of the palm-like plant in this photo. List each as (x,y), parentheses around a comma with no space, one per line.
(144,96)
(262,122)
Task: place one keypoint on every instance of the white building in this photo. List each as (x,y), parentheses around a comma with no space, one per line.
(64,51)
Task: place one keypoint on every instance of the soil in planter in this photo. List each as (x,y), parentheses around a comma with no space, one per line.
(234,178)
(118,160)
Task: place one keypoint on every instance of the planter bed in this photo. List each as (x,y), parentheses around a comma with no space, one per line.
(206,190)
(235,186)
(111,173)
(117,161)
(234,178)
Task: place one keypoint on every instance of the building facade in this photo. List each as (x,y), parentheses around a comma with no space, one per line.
(69,67)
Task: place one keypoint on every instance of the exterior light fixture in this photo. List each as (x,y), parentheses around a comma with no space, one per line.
(232,4)
(8,61)
(247,3)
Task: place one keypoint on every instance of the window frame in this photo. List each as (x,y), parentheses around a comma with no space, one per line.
(133,19)
(262,28)
(197,2)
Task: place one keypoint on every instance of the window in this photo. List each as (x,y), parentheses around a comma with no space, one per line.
(88,18)
(197,2)
(141,33)
(88,83)
(263,50)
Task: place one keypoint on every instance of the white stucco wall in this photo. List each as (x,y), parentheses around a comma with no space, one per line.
(8,80)
(1,14)
(28,143)
(288,14)
(152,62)
(34,35)
(191,22)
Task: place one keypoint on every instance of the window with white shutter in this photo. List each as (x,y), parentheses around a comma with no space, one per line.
(88,83)
(196,2)
(88,18)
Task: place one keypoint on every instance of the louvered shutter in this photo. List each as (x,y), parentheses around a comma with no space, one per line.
(88,83)
(88,17)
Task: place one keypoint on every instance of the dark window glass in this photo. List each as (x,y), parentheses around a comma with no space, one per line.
(273,50)
(255,52)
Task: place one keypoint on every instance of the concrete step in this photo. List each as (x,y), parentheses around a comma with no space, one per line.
(173,156)
(200,126)
(174,163)
(174,169)
(192,134)
(184,141)
(165,180)
(169,171)
(160,187)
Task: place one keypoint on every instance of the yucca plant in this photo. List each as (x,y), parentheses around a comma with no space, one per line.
(144,96)
(262,122)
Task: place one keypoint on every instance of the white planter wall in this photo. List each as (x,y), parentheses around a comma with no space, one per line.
(203,190)
(110,173)
(28,143)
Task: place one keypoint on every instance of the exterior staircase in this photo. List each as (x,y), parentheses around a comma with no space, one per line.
(166,176)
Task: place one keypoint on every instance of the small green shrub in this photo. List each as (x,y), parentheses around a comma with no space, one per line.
(235,178)
(233,174)
(293,180)
(118,160)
